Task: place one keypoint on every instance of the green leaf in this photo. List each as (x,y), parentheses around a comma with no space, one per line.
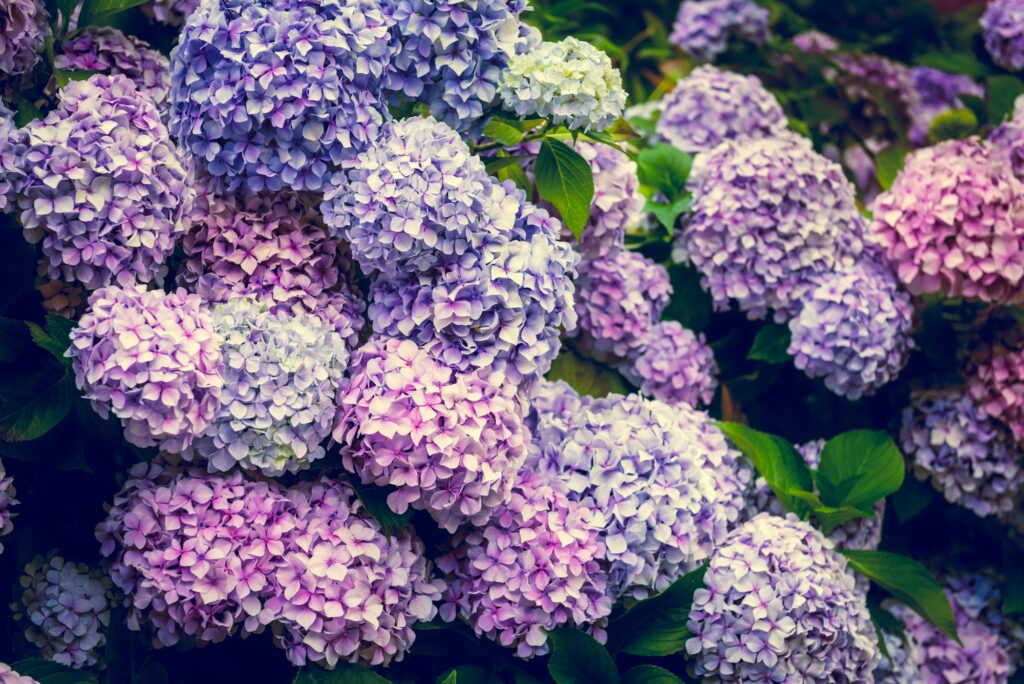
(56,338)
(576,658)
(375,500)
(27,113)
(770,344)
(888,164)
(1013,577)
(829,517)
(912,498)
(954,124)
(64,77)
(1001,92)
(622,131)
(97,10)
(468,674)
(664,168)
(506,131)
(954,63)
(517,175)
(15,341)
(668,214)
(977,106)
(858,468)
(656,626)
(38,407)
(564,179)
(690,304)
(777,462)
(343,673)
(47,672)
(908,581)
(494,164)
(649,674)
(585,376)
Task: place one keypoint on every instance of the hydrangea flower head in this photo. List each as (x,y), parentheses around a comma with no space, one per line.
(618,203)
(106,50)
(712,105)
(7,502)
(171,12)
(23,32)
(995,381)
(877,90)
(268,95)
(9,676)
(899,666)
(780,604)
(703,28)
(65,610)
(10,171)
(815,42)
(152,360)
(980,596)
(104,189)
(569,82)
(1003,28)
(674,365)
(938,92)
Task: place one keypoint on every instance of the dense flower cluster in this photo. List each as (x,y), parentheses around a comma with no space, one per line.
(619,298)
(779,604)
(7,502)
(951,441)
(995,380)
(711,105)
(938,92)
(104,188)
(898,667)
(451,53)
(769,216)
(877,89)
(1007,143)
(537,564)
(569,82)
(1003,26)
(173,12)
(277,94)
(151,359)
(281,373)
(618,203)
(674,365)
(953,222)
(65,610)
(106,50)
(815,42)
(703,28)
(980,596)
(9,676)
(9,163)
(451,443)
(23,32)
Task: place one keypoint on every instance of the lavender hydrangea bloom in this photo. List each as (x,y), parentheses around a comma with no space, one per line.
(345,591)
(674,365)
(967,457)
(953,222)
(980,596)
(877,90)
(1006,143)
(172,12)
(618,203)
(769,216)
(106,50)
(104,188)
(416,195)
(65,610)
(10,171)
(703,28)
(7,502)
(710,106)
(569,82)
(815,42)
(452,52)
(779,604)
(449,442)
(619,299)
(9,676)
(995,381)
(853,330)
(23,32)
(898,667)
(274,249)
(938,92)
(1003,27)
(279,93)
(281,372)
(152,360)
(537,564)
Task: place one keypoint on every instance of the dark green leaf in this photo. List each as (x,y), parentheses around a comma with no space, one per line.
(770,344)
(585,376)
(954,63)
(344,673)
(888,164)
(56,338)
(48,672)
(564,179)
(668,214)
(664,168)
(375,500)
(468,674)
(508,132)
(38,407)
(15,341)
(858,468)
(494,164)
(829,517)
(576,658)
(94,11)
(954,124)
(1001,92)
(656,626)
(649,674)
(976,105)
(777,462)
(1013,577)
(622,131)
(27,113)
(912,498)
(64,77)
(690,304)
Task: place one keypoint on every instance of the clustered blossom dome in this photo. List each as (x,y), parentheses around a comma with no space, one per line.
(569,82)
(345,591)
(953,222)
(7,502)
(980,596)
(618,203)
(281,373)
(451,53)
(65,610)
(898,667)
(272,248)
(703,28)
(711,106)
(1007,143)
(995,381)
(619,298)
(853,330)
(769,217)
(106,50)
(23,31)
(9,676)
(151,359)
(877,90)
(104,189)
(938,92)
(537,564)
(967,457)
(9,163)
(450,443)
(674,365)
(277,94)
(780,604)
(172,12)
(1003,26)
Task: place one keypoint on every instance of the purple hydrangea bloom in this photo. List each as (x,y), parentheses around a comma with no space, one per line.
(995,380)
(151,359)
(1006,142)
(537,564)
(281,372)
(769,217)
(106,50)
(898,667)
(815,42)
(104,188)
(23,32)
(938,92)
(711,105)
(619,299)
(980,596)
(449,442)
(345,591)
(451,53)
(10,171)
(1003,26)
(703,28)
(65,610)
(9,676)
(172,12)
(618,203)
(967,457)
(953,222)
(274,249)
(779,604)
(853,330)
(7,502)
(277,94)
(674,365)
(554,407)
(877,89)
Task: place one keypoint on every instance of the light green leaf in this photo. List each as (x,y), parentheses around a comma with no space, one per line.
(564,179)
(649,674)
(343,673)
(954,124)
(656,626)
(64,77)
(506,131)
(94,11)
(517,175)
(664,168)
(770,344)
(888,164)
(777,461)
(668,214)
(577,658)
(858,468)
